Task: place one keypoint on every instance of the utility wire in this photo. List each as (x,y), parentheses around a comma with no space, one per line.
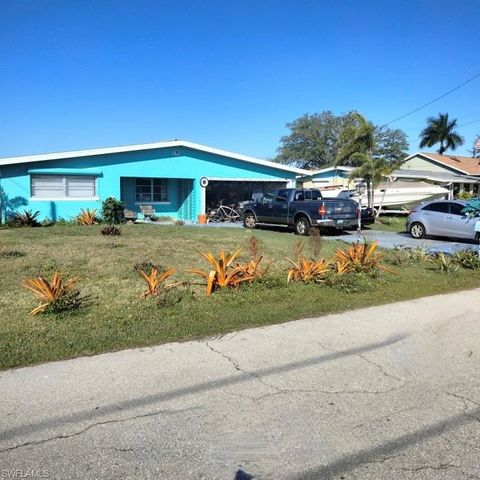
(432,101)
(469,123)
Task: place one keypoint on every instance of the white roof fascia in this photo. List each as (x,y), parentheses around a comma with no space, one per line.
(438,162)
(327,169)
(146,146)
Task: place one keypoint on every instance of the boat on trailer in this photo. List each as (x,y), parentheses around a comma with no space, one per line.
(398,194)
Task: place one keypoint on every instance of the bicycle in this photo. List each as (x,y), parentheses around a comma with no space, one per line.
(223,214)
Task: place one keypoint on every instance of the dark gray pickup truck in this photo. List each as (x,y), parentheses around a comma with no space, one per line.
(301,209)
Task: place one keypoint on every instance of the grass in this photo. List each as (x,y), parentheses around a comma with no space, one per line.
(118,318)
(385,223)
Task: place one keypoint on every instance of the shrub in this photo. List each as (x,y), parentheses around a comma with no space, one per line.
(467,259)
(54,296)
(443,263)
(358,257)
(224,274)
(307,270)
(155,280)
(87,217)
(112,210)
(25,219)
(403,255)
(110,230)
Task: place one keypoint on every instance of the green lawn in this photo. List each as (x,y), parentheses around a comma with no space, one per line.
(118,318)
(389,223)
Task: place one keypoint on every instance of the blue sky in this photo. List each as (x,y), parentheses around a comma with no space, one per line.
(230,74)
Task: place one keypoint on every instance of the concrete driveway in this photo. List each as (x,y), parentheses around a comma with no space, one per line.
(392,240)
(390,392)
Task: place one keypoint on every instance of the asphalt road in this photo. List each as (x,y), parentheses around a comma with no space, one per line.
(390,392)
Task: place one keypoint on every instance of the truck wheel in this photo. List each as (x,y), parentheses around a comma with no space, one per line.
(249,220)
(302,226)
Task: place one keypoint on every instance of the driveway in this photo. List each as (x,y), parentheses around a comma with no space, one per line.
(384,392)
(392,240)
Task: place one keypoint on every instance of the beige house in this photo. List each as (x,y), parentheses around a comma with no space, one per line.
(460,174)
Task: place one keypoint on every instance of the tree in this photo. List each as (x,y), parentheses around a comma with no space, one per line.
(441,130)
(315,140)
(476,147)
(360,150)
(391,145)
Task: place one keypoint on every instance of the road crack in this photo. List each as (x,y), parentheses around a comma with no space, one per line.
(89,427)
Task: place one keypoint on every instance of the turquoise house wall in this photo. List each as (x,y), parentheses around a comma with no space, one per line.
(116,172)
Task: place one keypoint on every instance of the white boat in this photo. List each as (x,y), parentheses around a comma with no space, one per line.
(393,194)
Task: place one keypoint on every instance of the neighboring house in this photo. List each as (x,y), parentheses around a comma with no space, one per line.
(327,177)
(460,174)
(165,175)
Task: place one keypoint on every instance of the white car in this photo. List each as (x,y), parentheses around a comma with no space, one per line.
(443,218)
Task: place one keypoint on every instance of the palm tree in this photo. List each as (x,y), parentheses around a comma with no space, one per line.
(440,130)
(358,150)
(372,171)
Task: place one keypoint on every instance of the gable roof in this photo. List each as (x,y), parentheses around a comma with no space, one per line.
(146,146)
(466,165)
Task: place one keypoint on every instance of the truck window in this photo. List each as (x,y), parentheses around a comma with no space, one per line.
(282,196)
(316,195)
(299,197)
(269,197)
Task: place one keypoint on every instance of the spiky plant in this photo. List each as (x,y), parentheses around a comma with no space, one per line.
(25,219)
(155,281)
(358,257)
(224,274)
(49,292)
(87,217)
(307,270)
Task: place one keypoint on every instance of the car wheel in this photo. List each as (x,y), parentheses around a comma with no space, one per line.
(302,226)
(417,230)
(249,220)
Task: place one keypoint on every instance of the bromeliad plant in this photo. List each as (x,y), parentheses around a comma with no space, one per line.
(25,219)
(87,217)
(155,281)
(224,274)
(56,293)
(307,270)
(358,257)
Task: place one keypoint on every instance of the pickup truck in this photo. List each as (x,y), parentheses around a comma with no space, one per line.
(302,209)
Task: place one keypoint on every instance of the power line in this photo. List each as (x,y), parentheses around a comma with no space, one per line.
(469,123)
(432,101)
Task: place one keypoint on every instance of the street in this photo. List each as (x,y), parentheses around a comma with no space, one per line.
(390,391)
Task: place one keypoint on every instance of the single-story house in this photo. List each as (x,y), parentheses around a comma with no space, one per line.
(460,174)
(177,178)
(328,177)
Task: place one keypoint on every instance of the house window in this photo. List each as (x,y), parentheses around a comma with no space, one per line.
(62,186)
(151,190)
